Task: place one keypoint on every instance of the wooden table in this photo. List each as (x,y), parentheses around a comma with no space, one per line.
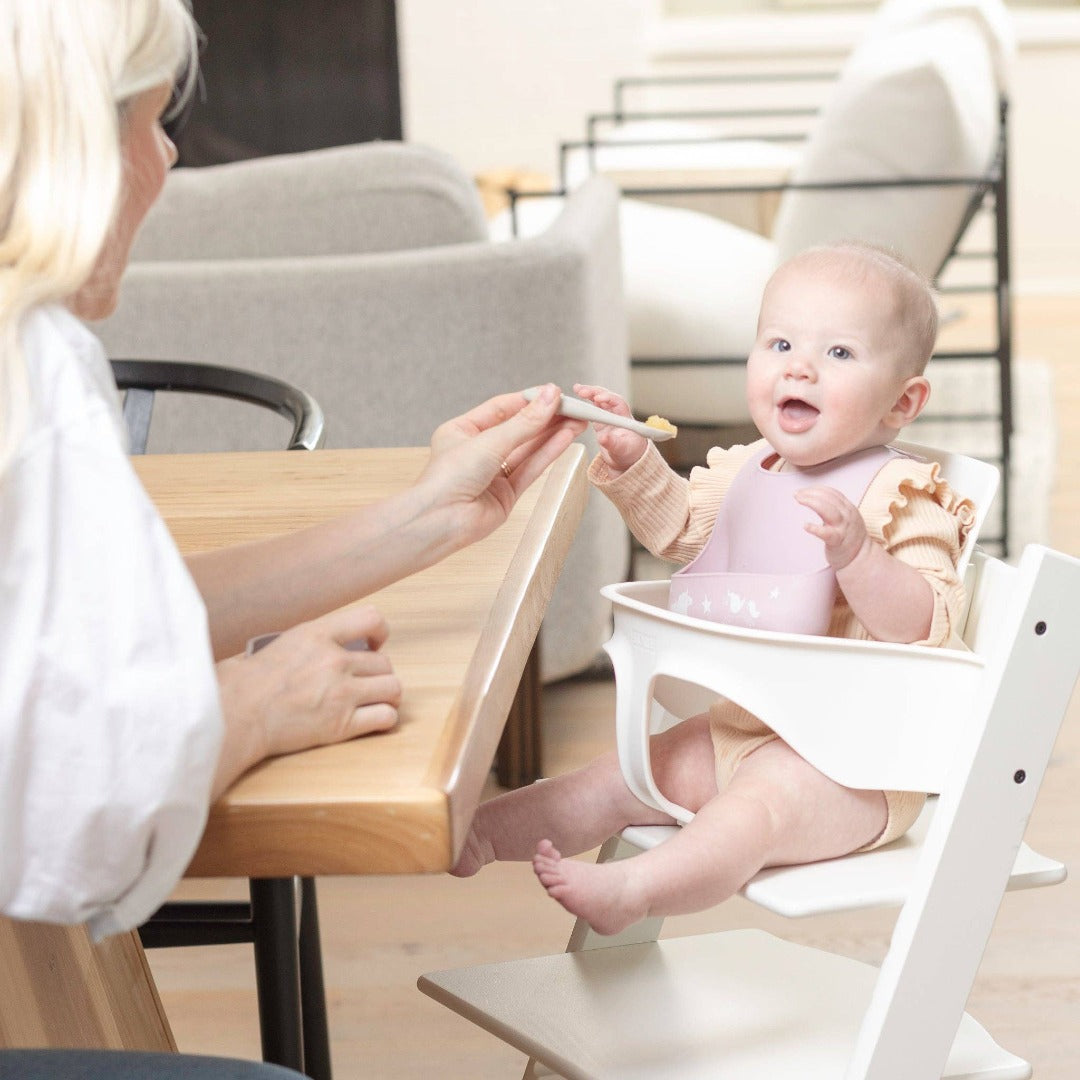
(400,802)
(460,634)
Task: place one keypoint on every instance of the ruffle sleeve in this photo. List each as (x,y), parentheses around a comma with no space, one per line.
(915,514)
(670,516)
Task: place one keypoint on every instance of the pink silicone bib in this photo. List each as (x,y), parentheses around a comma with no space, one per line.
(760,567)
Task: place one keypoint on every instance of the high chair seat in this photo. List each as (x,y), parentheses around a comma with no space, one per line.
(871,879)
(783,679)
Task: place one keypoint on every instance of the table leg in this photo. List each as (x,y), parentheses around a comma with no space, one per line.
(518,759)
(277,970)
(312,988)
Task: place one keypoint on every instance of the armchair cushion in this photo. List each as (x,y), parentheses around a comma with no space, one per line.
(917,98)
(363,198)
(919,102)
(693,288)
(990,16)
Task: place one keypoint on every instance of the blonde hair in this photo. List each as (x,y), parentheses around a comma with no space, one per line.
(916,310)
(68,69)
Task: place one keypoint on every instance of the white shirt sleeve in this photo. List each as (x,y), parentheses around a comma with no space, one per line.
(110,722)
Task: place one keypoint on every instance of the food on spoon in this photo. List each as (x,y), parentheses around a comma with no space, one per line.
(661,424)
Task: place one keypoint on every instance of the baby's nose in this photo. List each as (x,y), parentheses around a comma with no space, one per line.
(799,365)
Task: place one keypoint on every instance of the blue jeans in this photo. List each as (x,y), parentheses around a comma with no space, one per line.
(131,1065)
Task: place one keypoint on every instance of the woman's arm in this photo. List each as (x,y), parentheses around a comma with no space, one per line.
(460,497)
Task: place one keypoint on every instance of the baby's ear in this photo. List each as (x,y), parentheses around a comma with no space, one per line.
(911,401)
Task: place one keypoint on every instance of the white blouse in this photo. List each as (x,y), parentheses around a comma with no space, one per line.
(110,722)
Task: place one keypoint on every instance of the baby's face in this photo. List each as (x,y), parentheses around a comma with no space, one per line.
(826,369)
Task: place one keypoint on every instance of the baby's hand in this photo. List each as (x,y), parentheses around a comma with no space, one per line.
(618,447)
(842,528)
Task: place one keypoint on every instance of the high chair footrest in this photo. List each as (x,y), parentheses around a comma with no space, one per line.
(877,878)
(738,1004)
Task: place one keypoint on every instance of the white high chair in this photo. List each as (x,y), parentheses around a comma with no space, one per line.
(975,727)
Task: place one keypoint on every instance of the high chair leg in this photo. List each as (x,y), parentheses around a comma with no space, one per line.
(535,1071)
(584,937)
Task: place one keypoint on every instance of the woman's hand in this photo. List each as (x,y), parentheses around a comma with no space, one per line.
(306,688)
(465,478)
(618,447)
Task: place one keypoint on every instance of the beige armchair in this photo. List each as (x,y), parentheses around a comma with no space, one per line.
(365,275)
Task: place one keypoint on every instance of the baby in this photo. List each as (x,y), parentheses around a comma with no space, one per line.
(836,371)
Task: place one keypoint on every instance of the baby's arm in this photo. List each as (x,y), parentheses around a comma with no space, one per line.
(890,598)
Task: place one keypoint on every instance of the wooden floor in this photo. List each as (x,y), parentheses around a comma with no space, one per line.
(379,934)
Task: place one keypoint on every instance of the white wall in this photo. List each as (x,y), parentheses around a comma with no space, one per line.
(498,83)
(1045,167)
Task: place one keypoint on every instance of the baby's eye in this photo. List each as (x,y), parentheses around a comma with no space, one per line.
(838,352)
(780,345)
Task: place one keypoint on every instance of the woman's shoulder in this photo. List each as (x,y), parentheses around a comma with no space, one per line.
(69,379)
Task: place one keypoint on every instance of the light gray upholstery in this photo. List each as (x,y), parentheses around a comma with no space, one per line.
(405,315)
(339,201)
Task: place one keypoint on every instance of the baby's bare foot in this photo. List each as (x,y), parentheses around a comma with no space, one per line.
(599,893)
(475,855)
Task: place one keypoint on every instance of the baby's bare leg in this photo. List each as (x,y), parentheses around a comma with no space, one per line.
(582,809)
(777,810)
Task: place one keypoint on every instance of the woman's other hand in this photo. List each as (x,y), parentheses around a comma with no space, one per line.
(465,475)
(306,688)
(618,447)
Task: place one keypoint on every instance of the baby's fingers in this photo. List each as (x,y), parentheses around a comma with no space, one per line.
(602,398)
(827,503)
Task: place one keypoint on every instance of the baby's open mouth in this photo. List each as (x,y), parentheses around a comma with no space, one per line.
(796,415)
